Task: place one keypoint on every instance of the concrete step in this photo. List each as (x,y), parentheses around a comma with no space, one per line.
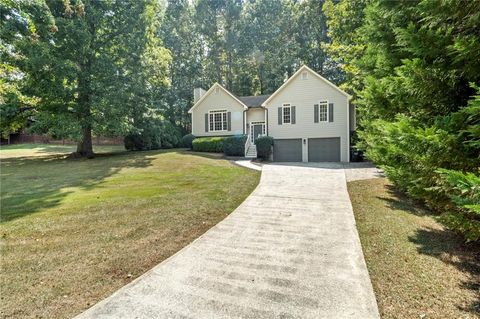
(251,152)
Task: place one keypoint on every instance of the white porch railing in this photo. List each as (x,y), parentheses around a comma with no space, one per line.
(247,144)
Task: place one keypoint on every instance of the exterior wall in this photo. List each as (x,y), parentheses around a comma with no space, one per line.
(256,115)
(303,94)
(217,101)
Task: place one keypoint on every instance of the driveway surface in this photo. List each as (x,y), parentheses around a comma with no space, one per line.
(290,250)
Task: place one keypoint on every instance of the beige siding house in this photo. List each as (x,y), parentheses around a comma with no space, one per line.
(309,118)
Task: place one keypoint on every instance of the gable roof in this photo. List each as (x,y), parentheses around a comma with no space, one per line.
(305,68)
(210,91)
(254,100)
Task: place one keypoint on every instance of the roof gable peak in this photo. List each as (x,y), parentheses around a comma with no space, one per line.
(301,69)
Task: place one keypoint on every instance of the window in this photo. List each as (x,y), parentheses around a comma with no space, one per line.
(323,111)
(217,121)
(287,118)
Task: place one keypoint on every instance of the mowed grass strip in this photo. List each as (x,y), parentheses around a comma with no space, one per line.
(417,268)
(74,231)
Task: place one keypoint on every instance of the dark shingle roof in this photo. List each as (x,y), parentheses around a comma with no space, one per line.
(253,101)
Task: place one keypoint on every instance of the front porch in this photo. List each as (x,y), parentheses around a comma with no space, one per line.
(255,126)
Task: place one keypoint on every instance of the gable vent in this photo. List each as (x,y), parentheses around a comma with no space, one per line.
(217,89)
(304,75)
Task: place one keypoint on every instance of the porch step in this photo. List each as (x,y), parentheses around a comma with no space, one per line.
(252,152)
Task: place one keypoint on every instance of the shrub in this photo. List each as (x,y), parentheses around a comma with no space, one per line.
(414,155)
(264,147)
(135,142)
(151,134)
(235,145)
(464,191)
(170,136)
(187,140)
(208,144)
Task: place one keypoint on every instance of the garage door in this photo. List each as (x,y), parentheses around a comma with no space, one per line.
(324,149)
(287,150)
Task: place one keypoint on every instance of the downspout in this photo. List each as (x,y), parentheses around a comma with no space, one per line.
(266,121)
(244,122)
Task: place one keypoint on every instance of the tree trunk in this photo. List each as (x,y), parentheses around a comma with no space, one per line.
(84,146)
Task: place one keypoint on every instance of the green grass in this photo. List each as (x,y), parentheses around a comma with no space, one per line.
(418,269)
(29,150)
(73,230)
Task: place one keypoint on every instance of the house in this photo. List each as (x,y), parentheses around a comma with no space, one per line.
(309,118)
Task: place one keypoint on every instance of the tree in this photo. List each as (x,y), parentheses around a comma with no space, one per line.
(180,36)
(414,68)
(311,35)
(98,65)
(18,28)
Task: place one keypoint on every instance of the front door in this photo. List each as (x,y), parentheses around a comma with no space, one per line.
(256,130)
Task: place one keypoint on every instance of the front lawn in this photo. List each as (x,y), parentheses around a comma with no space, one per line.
(74,231)
(418,269)
(28,150)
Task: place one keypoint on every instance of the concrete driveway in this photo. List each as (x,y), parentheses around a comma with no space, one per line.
(291,250)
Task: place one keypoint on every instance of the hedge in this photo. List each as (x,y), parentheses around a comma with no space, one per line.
(187,140)
(208,144)
(264,147)
(235,145)
(152,134)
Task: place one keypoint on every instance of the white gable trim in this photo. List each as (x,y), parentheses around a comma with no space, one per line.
(213,89)
(303,68)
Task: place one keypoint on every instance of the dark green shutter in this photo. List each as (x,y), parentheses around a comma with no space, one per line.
(330,112)
(280,116)
(292,114)
(229,121)
(206,122)
(315,113)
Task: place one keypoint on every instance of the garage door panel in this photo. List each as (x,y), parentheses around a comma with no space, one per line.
(324,149)
(287,150)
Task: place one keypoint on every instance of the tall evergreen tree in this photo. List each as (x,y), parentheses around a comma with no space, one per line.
(415,68)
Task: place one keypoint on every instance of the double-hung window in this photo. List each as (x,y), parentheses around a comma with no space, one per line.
(287,113)
(217,120)
(323,111)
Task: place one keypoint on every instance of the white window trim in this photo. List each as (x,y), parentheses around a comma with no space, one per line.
(328,115)
(284,106)
(209,120)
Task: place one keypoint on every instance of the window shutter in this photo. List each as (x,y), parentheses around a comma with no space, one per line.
(280,115)
(330,112)
(292,115)
(315,113)
(206,122)
(229,121)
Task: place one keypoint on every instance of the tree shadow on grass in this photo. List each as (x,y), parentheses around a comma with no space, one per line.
(32,184)
(451,249)
(442,244)
(398,201)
